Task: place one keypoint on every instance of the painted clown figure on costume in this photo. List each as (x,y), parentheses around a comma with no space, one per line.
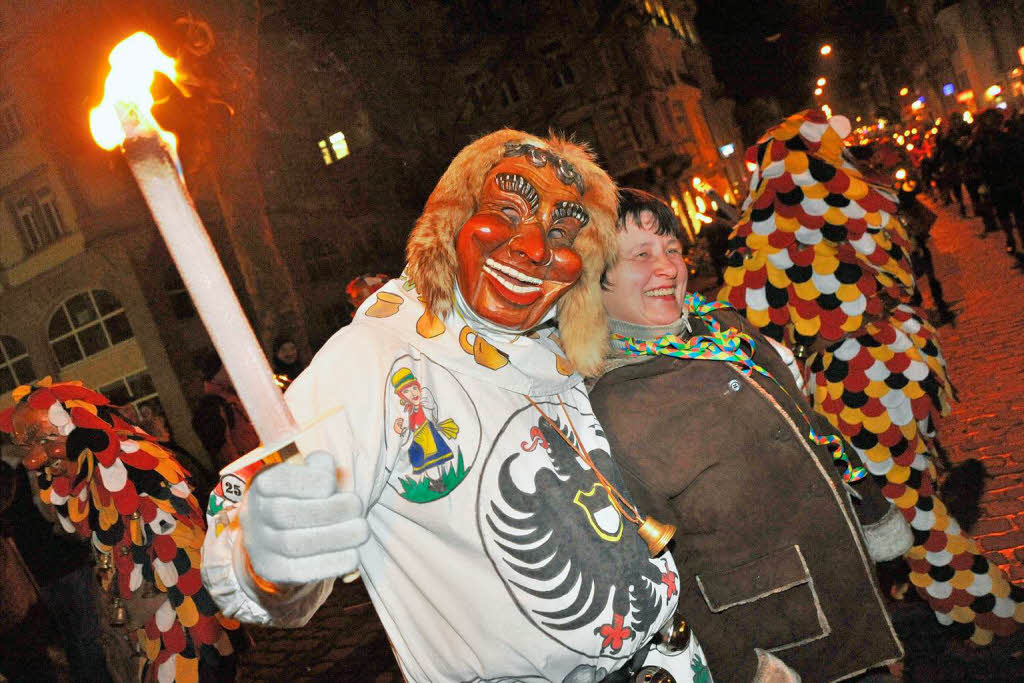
(113,483)
(819,260)
(470,450)
(429,452)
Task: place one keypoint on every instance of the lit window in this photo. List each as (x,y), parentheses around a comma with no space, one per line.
(86,324)
(10,124)
(137,390)
(15,366)
(38,219)
(334,148)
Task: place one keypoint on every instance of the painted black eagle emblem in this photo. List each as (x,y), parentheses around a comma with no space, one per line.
(577,568)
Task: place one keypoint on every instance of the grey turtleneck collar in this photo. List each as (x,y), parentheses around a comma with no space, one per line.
(643,332)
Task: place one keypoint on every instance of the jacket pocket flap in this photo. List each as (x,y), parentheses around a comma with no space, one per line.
(775,572)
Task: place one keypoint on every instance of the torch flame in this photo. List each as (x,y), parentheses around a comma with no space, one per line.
(127,103)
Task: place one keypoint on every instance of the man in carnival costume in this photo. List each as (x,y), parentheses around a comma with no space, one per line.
(111,482)
(519,558)
(820,261)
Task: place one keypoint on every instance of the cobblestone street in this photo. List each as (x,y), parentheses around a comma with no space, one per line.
(345,641)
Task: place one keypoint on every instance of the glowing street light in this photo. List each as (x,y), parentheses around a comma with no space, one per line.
(827,109)
(968,118)
(993,91)
(826,50)
(903,91)
(817,91)
(821,81)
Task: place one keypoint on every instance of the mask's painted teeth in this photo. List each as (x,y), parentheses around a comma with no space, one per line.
(509,270)
(664,291)
(510,283)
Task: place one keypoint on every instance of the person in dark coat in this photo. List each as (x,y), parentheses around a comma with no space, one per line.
(776,560)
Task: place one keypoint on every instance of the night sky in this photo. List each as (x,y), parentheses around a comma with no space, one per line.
(735,33)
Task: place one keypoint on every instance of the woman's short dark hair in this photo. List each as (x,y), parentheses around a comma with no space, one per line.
(632,203)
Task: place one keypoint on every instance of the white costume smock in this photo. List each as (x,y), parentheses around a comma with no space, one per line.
(494,553)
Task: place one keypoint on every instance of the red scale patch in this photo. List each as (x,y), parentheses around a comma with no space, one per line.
(206,630)
(862,361)
(127,499)
(41,399)
(766,200)
(811,222)
(898,363)
(891,436)
(839,184)
(174,638)
(140,460)
(856,381)
(961,597)
(737,297)
(801,257)
(893,491)
(163,546)
(786,211)
(779,316)
(147,508)
(962,562)
(936,541)
(755,279)
(778,150)
(830,331)
(190,582)
(780,239)
(61,486)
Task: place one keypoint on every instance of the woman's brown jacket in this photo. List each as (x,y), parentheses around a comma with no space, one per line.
(769,549)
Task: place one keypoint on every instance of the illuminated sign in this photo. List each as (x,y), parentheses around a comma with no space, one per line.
(727,150)
(948,89)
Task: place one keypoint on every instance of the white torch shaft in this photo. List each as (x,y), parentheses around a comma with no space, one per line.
(204,276)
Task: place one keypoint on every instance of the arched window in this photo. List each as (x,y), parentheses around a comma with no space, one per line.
(137,390)
(86,324)
(15,366)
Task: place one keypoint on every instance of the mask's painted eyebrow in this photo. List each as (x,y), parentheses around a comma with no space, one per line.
(517,184)
(571,209)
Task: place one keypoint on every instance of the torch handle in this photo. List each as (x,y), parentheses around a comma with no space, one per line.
(178,221)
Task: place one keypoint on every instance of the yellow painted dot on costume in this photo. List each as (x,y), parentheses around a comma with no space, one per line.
(981,636)
(786,224)
(883,353)
(858,189)
(778,278)
(807,291)
(941,523)
(876,389)
(825,264)
(917,552)
(961,614)
(847,293)
(757,242)
(880,453)
(834,389)
(920,580)
(151,646)
(186,669)
(1001,587)
(809,327)
(733,278)
(907,499)
(835,216)
(815,191)
(878,424)
(913,390)
(758,318)
(898,474)
(851,415)
(796,162)
(962,579)
(909,430)
(187,612)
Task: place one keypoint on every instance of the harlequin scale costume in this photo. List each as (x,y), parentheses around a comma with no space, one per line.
(514,563)
(119,487)
(819,261)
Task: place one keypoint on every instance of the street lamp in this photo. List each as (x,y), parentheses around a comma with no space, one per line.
(817,91)
(903,91)
(821,81)
(826,50)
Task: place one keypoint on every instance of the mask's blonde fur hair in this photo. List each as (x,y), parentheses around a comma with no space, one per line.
(431,258)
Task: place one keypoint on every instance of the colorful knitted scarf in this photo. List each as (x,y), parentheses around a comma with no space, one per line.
(732,346)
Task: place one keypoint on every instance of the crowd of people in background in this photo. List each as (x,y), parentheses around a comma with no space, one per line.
(986,158)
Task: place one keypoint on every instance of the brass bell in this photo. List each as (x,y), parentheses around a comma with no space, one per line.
(656,534)
(104,561)
(800,351)
(653,674)
(118,613)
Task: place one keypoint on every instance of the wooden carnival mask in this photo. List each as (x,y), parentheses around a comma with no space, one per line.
(515,254)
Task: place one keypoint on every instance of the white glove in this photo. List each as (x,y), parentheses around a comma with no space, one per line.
(297,526)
